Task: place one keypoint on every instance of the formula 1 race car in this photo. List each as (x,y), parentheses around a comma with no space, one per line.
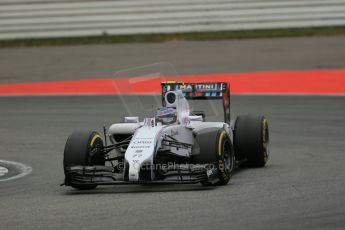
(177,146)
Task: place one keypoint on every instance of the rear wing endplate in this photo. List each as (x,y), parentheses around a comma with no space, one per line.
(202,91)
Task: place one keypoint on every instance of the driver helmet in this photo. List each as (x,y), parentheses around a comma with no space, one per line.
(167,115)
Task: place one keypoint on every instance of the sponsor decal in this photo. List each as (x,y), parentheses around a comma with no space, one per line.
(201,86)
(141,143)
(205,86)
(140,147)
(137,142)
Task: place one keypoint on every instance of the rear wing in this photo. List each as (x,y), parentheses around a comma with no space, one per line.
(202,91)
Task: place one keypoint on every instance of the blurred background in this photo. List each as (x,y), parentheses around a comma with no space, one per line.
(21,19)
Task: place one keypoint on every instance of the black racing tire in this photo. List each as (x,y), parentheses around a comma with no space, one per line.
(78,152)
(216,149)
(251,140)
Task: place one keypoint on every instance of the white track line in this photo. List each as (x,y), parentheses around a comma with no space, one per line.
(22,168)
(3,171)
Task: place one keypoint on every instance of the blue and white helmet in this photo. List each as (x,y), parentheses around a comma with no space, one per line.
(166,115)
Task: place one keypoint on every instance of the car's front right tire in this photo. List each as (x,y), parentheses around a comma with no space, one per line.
(79,151)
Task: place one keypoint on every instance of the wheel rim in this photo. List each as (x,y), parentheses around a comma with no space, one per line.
(228,159)
(93,156)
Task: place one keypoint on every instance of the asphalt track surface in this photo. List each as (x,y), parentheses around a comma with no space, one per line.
(302,187)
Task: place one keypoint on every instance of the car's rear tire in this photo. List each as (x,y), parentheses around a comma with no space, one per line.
(251,140)
(215,148)
(79,150)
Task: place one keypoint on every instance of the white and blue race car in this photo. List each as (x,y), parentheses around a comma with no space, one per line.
(176,146)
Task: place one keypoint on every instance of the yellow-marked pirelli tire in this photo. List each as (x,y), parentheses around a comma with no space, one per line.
(216,150)
(80,151)
(251,140)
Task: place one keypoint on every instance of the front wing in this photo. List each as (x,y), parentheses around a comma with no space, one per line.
(104,175)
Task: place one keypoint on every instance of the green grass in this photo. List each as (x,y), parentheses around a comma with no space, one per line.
(202,36)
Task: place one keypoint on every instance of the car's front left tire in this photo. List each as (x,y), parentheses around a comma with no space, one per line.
(216,150)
